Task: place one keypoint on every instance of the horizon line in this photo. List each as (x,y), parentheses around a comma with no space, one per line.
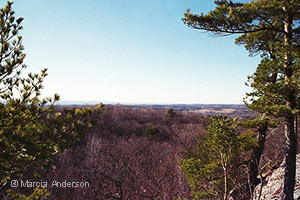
(92,102)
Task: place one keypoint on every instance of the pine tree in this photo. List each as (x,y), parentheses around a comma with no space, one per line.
(171,113)
(211,166)
(32,132)
(269,28)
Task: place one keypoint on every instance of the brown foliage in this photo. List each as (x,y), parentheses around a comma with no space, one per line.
(120,161)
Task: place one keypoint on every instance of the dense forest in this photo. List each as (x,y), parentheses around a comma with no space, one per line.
(134,153)
(121,152)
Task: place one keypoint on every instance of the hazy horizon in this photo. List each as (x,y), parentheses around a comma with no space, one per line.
(74,102)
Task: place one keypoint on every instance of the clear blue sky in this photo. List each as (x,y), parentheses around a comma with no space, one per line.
(131,51)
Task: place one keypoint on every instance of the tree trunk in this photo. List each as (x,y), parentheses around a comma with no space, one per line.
(290,131)
(256,156)
(224,165)
(290,159)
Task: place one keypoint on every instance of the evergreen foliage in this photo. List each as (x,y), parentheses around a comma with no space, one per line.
(269,28)
(212,165)
(151,131)
(31,131)
(171,113)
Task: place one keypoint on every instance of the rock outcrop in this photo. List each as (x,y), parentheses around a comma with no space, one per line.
(272,185)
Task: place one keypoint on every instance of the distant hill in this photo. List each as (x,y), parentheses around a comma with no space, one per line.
(204,109)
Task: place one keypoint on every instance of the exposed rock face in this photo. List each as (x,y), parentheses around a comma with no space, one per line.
(272,186)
